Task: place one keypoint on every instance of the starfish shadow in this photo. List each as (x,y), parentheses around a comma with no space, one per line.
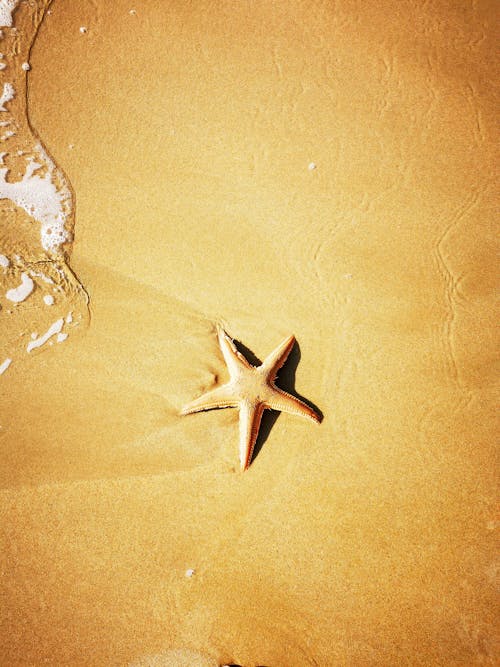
(286,381)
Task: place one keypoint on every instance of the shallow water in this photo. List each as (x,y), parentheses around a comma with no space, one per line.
(36,212)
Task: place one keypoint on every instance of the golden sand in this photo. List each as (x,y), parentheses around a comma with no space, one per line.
(318,168)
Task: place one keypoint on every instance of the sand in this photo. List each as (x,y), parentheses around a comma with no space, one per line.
(318,168)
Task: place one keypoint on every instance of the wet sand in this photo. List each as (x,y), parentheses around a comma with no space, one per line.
(322,169)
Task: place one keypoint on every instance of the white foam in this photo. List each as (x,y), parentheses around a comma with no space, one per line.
(26,67)
(6,9)
(7,95)
(61,337)
(4,261)
(41,199)
(5,365)
(69,318)
(48,299)
(22,292)
(52,330)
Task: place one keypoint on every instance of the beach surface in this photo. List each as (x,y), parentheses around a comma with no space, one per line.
(322,169)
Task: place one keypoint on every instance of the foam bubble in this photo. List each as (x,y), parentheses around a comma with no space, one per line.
(6,9)
(8,135)
(5,365)
(22,292)
(7,95)
(41,199)
(52,331)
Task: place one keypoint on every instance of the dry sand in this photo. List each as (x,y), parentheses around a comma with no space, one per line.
(318,168)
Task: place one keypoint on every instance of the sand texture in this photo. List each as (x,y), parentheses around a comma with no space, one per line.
(321,168)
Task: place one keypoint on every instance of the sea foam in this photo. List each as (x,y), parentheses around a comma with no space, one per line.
(41,199)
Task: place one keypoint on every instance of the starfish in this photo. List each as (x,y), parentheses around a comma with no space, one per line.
(251,389)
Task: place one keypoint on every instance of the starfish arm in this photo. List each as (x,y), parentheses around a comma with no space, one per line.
(284,402)
(274,361)
(220,397)
(250,418)
(234,360)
